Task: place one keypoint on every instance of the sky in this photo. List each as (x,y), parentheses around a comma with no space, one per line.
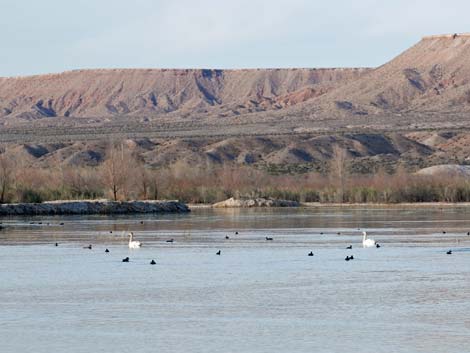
(57,35)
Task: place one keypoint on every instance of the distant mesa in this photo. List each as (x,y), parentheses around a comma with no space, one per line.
(430,77)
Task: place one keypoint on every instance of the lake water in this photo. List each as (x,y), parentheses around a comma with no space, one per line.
(258,296)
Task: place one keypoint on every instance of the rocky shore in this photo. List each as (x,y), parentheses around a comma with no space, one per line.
(257,202)
(92,207)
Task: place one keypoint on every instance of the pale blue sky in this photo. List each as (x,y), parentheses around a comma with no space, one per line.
(57,35)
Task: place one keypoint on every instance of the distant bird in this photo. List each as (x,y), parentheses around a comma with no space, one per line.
(349,247)
(377,245)
(268,238)
(449,252)
(88,247)
(133,244)
(310,253)
(367,243)
(111,232)
(126,259)
(351,257)
(227,237)
(339,233)
(141,222)
(106,250)
(347,258)
(236,233)
(218,252)
(56,244)
(170,240)
(153,262)
(321,233)
(443,232)
(61,224)
(39,222)
(468,233)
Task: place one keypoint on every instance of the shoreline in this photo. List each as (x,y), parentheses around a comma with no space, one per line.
(350,205)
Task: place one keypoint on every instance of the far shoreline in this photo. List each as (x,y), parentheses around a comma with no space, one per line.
(346,205)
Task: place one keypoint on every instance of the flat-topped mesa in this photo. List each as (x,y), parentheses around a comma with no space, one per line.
(154,93)
(447,36)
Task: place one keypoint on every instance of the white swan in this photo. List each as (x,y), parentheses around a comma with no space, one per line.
(367,243)
(133,244)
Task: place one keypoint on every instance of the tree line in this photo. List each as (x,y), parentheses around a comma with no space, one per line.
(124,175)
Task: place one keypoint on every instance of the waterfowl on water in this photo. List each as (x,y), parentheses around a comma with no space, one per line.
(218,252)
(153,262)
(268,238)
(126,259)
(443,232)
(449,252)
(347,258)
(133,244)
(106,250)
(170,240)
(339,233)
(61,224)
(310,253)
(227,237)
(349,247)
(88,247)
(367,243)
(56,244)
(236,233)
(377,245)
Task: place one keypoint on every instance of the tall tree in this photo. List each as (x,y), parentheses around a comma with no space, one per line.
(339,170)
(117,169)
(6,174)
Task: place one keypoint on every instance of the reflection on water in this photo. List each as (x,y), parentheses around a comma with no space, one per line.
(258,296)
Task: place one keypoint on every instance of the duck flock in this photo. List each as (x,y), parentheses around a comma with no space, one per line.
(135,244)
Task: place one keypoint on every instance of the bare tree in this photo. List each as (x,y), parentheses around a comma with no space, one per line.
(143,180)
(117,169)
(6,174)
(339,170)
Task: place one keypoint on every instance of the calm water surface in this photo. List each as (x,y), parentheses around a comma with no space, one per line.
(258,296)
